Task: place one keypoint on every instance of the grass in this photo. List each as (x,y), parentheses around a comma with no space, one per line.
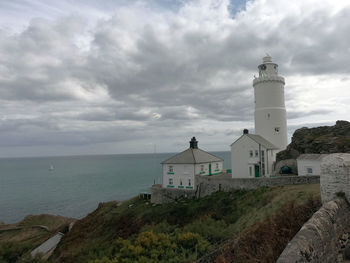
(218,218)
(17,240)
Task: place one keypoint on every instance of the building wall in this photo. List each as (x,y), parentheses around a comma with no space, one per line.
(270,111)
(240,157)
(205,170)
(303,166)
(181,173)
(185,173)
(243,164)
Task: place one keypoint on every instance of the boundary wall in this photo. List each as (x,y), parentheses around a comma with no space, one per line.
(209,185)
(206,185)
(323,237)
(326,236)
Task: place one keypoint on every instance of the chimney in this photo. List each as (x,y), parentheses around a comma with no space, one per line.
(194,143)
(245,131)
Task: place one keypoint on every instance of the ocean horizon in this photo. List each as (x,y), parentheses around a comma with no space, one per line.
(73,186)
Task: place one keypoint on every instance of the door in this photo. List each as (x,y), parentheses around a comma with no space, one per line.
(210,169)
(257,171)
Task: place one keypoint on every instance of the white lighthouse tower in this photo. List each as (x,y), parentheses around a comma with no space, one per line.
(270,110)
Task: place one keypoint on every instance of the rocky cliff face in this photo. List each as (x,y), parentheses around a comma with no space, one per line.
(324,139)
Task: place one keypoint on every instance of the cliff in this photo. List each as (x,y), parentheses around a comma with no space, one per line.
(324,139)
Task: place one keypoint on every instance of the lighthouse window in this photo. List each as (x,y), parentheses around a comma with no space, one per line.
(256,153)
(180,182)
(251,153)
(189,182)
(202,168)
(277,129)
(216,166)
(268,115)
(171,181)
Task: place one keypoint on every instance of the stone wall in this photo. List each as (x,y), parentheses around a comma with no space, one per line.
(335,176)
(323,237)
(166,195)
(208,185)
(326,235)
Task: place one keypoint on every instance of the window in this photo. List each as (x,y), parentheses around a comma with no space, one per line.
(170,169)
(268,115)
(277,129)
(202,168)
(251,153)
(171,181)
(250,171)
(256,153)
(189,182)
(216,166)
(309,170)
(180,182)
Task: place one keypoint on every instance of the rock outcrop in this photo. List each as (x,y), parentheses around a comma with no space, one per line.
(324,139)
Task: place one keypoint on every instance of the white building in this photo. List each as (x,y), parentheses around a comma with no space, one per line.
(309,164)
(253,155)
(179,171)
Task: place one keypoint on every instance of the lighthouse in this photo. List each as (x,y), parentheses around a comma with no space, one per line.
(270,110)
(254,155)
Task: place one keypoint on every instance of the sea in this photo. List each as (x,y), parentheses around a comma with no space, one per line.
(73,186)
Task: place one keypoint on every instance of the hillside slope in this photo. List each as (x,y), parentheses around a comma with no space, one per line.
(324,139)
(17,240)
(136,231)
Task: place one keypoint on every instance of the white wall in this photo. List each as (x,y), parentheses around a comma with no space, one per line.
(186,172)
(241,159)
(182,172)
(315,165)
(270,111)
(214,170)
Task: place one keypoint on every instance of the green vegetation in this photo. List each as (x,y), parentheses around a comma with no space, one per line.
(136,231)
(17,240)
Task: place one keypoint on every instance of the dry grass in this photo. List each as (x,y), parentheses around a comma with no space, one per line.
(265,240)
(279,196)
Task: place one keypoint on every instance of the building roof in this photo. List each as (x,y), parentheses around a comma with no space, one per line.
(192,156)
(260,140)
(311,156)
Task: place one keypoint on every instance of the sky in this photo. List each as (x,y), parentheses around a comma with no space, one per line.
(129,76)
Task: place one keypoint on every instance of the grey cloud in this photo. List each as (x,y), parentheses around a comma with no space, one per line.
(162,75)
(291,114)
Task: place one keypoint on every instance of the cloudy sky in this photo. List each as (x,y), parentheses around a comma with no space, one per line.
(101,77)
